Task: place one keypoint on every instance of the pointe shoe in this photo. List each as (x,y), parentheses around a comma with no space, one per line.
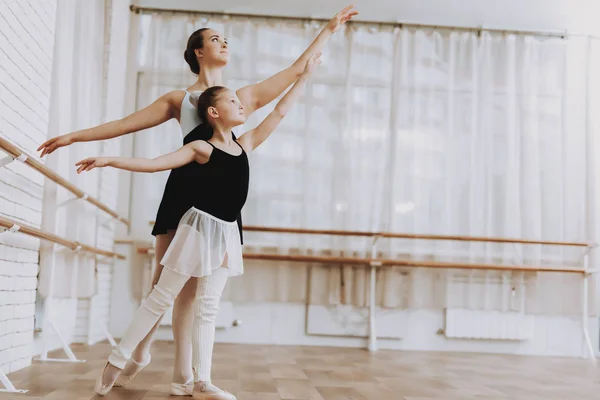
(182,389)
(124,380)
(208,391)
(99,387)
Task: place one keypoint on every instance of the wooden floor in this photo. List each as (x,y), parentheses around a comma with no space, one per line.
(283,372)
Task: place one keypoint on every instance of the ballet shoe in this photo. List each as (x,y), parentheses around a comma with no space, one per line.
(208,391)
(100,388)
(123,380)
(182,389)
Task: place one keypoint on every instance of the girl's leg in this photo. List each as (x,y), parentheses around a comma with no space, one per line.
(183,318)
(153,307)
(208,296)
(142,351)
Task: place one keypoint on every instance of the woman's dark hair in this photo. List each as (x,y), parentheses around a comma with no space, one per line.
(207,99)
(195,41)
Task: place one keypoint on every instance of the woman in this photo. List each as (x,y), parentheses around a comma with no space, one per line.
(207,244)
(207,55)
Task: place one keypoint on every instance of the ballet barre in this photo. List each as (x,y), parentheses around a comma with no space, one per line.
(373,262)
(16,154)
(383,262)
(12,226)
(394,235)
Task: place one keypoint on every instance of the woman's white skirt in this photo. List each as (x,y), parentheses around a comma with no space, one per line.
(203,243)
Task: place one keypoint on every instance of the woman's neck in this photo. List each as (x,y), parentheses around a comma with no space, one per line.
(208,77)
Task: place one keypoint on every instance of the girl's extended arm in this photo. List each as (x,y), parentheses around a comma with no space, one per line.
(194,151)
(254,137)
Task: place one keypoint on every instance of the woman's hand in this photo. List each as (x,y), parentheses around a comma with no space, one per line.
(341,18)
(55,143)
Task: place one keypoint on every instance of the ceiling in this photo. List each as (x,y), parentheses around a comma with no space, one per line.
(529,15)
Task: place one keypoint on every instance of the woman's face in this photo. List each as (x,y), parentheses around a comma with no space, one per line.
(215,51)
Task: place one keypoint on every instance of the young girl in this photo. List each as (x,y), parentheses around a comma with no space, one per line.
(207,242)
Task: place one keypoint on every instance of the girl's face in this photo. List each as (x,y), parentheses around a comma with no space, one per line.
(228,109)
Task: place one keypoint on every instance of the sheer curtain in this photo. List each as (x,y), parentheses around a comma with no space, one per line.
(404,130)
(76,103)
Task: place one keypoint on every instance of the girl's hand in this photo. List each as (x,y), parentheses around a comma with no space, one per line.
(90,163)
(341,18)
(312,63)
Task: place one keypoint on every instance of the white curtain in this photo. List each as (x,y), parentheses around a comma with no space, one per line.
(406,130)
(76,103)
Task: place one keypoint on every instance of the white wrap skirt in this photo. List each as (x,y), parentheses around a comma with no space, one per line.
(203,243)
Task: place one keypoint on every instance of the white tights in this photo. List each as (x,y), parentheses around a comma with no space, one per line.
(206,306)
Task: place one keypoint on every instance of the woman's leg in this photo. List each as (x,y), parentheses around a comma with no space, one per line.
(183,323)
(183,318)
(146,316)
(208,296)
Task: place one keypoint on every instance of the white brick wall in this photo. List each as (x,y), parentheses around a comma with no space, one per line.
(26,43)
(27,33)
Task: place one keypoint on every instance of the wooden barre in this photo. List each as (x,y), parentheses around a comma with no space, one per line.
(481,239)
(392,235)
(382,262)
(31,231)
(15,152)
(409,236)
(406,263)
(332,232)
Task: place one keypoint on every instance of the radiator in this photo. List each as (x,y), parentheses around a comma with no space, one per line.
(479,324)
(224,316)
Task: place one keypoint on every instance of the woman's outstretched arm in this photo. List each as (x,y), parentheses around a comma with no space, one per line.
(258,95)
(161,110)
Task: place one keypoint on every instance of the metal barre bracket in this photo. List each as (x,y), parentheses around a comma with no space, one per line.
(106,259)
(12,229)
(74,199)
(108,220)
(8,385)
(9,159)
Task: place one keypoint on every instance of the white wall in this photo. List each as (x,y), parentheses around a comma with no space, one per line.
(37,74)
(26,44)
(413,330)
(572,15)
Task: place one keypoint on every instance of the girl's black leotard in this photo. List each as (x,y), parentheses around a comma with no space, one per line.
(219,187)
